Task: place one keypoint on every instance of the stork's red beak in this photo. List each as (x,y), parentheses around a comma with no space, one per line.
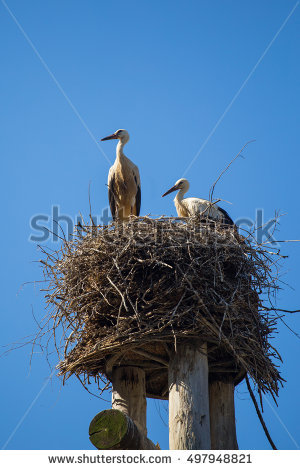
(174,188)
(109,137)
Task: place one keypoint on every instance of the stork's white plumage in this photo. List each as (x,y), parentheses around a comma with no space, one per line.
(124,184)
(192,206)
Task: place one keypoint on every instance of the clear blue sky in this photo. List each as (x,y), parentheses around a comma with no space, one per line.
(166,71)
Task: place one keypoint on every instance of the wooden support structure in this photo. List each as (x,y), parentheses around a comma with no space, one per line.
(114,430)
(129,394)
(189,423)
(222,415)
(201,406)
(124,427)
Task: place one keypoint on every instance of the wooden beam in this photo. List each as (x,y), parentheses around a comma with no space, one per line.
(189,424)
(154,357)
(222,415)
(114,430)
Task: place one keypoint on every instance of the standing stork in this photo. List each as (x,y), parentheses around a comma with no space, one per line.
(192,206)
(124,184)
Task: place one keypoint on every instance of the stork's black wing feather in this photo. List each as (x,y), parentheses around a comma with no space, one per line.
(138,200)
(227,219)
(111,197)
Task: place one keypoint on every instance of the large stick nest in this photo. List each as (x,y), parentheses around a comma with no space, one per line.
(127,294)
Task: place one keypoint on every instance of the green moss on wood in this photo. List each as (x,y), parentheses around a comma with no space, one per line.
(108,429)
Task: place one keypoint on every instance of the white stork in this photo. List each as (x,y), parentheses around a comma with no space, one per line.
(124,184)
(192,206)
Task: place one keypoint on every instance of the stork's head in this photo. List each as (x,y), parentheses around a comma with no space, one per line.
(120,134)
(181,184)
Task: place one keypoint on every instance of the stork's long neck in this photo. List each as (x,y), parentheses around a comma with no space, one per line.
(119,150)
(179,195)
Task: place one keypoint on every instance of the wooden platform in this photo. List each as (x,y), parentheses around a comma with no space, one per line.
(154,358)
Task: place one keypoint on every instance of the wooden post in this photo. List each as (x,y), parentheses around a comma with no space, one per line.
(114,430)
(123,427)
(129,394)
(189,424)
(222,415)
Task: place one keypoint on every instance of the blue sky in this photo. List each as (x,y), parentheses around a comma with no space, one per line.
(166,71)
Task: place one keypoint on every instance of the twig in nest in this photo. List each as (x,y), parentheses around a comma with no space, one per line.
(90,206)
(260,415)
(211,191)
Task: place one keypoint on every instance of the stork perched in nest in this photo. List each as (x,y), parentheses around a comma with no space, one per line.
(124,184)
(192,206)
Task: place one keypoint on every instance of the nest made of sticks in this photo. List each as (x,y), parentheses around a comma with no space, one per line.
(127,293)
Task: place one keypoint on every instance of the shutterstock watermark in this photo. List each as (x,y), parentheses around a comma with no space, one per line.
(56,226)
(264,229)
